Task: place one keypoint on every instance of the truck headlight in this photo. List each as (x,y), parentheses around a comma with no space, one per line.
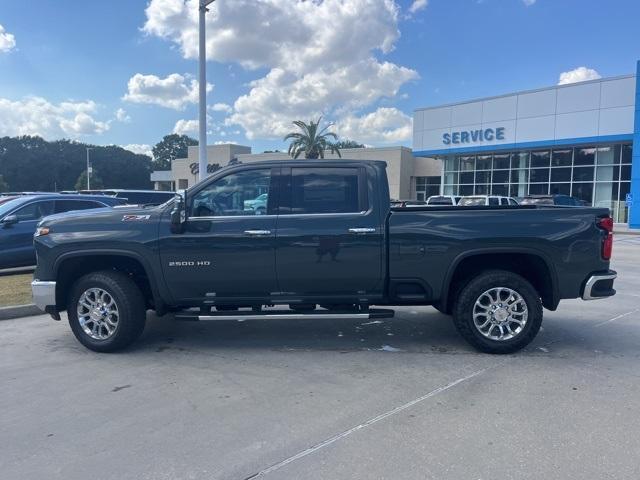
(40,231)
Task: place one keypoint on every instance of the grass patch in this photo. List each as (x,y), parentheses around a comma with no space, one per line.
(15,289)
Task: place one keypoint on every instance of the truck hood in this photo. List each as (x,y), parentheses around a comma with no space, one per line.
(107,217)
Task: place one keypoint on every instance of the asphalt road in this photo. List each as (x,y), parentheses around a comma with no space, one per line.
(401,399)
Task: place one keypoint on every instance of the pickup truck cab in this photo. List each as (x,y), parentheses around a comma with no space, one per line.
(327,245)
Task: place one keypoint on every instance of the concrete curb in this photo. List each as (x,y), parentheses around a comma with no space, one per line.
(17,311)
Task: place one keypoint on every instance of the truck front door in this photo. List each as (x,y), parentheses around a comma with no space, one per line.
(330,237)
(227,252)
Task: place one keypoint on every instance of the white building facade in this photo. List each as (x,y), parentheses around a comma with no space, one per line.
(568,139)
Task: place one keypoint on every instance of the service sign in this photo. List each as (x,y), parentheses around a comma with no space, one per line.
(473,136)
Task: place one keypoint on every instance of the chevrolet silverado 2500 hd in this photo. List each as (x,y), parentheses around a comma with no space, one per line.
(325,243)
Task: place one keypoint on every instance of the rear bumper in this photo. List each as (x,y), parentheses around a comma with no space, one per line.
(44,295)
(599,285)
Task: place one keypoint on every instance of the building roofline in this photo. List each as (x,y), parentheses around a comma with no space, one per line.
(523,92)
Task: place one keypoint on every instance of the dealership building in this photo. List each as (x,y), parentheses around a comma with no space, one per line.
(572,139)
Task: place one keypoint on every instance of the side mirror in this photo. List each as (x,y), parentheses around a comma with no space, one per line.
(178,214)
(9,220)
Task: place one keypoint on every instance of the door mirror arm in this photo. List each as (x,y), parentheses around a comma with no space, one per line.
(178,213)
(9,220)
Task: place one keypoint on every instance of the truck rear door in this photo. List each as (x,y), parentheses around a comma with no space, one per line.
(329,233)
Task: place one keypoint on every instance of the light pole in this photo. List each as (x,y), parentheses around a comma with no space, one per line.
(88,169)
(202,107)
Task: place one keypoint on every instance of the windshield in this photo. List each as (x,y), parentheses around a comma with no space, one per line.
(439,201)
(537,201)
(10,205)
(471,201)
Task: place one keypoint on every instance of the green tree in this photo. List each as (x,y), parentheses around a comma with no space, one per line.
(311,140)
(169,148)
(344,144)
(96,181)
(3,185)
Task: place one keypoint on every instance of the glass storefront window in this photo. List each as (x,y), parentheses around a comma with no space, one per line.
(538,189)
(501,176)
(501,189)
(582,174)
(608,155)
(562,158)
(449,190)
(483,162)
(466,190)
(585,156)
(466,177)
(520,160)
(626,153)
(451,177)
(501,161)
(483,176)
(519,176)
(561,174)
(540,159)
(539,175)
(482,190)
(583,191)
(467,163)
(607,173)
(451,163)
(625,173)
(606,195)
(560,189)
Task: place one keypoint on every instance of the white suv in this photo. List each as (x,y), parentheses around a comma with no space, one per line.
(490,200)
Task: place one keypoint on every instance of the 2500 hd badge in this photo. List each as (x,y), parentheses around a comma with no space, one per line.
(199,263)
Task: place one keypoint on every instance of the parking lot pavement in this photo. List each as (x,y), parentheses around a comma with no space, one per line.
(403,398)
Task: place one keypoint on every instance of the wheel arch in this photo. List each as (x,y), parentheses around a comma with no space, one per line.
(70,266)
(533,265)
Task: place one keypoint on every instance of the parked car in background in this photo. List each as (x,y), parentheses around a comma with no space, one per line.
(135,197)
(19,217)
(487,200)
(443,200)
(551,200)
(258,204)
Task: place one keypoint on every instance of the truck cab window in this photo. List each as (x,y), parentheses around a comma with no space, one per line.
(325,190)
(241,193)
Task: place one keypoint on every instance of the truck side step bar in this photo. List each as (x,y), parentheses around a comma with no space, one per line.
(285,314)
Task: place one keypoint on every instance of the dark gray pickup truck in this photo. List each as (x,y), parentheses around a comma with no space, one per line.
(318,237)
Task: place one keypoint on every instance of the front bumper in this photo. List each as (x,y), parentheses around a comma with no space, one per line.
(599,285)
(44,295)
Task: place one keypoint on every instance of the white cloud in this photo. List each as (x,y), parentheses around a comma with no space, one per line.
(579,74)
(528,3)
(38,116)
(7,41)
(175,91)
(384,125)
(221,107)
(140,148)
(418,5)
(122,116)
(186,127)
(281,97)
(321,57)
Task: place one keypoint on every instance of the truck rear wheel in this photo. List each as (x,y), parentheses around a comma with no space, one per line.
(498,312)
(106,311)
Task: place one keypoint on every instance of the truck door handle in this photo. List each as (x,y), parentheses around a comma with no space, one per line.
(362,231)
(257,233)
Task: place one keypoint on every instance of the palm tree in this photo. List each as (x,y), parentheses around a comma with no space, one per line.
(311,141)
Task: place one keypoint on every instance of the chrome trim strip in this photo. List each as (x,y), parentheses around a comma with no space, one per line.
(43,293)
(282,316)
(588,287)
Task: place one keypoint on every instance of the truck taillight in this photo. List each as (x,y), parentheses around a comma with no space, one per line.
(606,224)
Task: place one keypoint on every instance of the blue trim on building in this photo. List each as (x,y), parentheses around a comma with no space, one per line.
(634,211)
(551,143)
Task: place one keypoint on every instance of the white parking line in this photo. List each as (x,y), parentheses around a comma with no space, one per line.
(368,423)
(616,318)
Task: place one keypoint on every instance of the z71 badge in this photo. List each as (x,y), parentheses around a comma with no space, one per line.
(135,218)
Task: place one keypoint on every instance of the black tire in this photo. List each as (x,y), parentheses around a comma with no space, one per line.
(465,302)
(130,305)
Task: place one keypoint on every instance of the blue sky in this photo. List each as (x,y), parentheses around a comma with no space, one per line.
(124,71)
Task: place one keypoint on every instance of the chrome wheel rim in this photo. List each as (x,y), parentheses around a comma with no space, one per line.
(98,313)
(500,314)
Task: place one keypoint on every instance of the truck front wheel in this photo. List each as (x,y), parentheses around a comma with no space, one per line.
(498,312)
(106,311)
